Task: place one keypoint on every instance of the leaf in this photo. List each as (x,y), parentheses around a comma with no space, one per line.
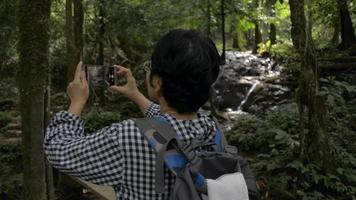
(295,165)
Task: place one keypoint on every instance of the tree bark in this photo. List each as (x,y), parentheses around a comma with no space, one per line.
(34,18)
(298,22)
(101,16)
(234,32)
(69,189)
(314,146)
(70,40)
(258,34)
(347,32)
(337,28)
(222,10)
(208,18)
(47,118)
(258,37)
(74,35)
(272,26)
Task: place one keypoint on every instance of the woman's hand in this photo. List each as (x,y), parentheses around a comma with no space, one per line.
(78,91)
(130,89)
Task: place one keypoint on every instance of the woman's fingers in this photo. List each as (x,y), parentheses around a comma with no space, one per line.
(78,71)
(115,88)
(122,71)
(83,77)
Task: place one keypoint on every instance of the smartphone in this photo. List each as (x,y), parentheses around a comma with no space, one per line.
(100,75)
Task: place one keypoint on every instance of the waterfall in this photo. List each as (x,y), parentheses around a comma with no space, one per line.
(247,95)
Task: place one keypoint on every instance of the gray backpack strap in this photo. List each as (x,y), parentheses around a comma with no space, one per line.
(227,148)
(223,138)
(159,135)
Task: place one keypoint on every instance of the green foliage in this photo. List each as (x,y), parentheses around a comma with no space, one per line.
(246,25)
(97,120)
(10,172)
(286,53)
(4,120)
(8,37)
(271,143)
(264,47)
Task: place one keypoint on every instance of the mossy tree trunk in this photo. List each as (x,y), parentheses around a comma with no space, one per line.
(68,188)
(314,145)
(47,119)
(298,23)
(74,35)
(348,37)
(234,32)
(208,18)
(222,13)
(258,37)
(101,34)
(334,42)
(34,17)
(272,25)
(258,33)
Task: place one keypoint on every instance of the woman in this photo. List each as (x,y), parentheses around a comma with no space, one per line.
(183,67)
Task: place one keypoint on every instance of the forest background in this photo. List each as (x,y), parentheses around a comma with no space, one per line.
(302,147)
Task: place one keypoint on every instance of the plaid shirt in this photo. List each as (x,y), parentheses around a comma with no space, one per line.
(117,155)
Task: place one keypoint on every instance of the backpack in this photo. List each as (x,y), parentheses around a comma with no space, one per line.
(220,174)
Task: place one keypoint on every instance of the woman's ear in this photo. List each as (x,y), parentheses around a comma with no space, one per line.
(156,83)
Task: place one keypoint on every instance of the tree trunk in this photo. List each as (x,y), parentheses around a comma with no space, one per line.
(347,32)
(100,58)
(70,40)
(69,189)
(258,34)
(272,26)
(208,18)
(336,36)
(34,18)
(74,32)
(314,147)
(298,22)
(222,9)
(234,32)
(47,118)
(258,37)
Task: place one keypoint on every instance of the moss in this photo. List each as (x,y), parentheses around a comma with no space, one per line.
(10,172)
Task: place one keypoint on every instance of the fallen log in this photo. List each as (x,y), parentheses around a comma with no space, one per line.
(337,66)
(351,59)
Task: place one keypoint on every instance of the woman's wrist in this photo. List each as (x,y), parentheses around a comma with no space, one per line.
(76,108)
(140,100)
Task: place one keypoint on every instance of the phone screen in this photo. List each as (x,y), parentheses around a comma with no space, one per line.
(100,75)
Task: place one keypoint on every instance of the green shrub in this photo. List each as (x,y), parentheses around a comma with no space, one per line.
(271,144)
(96,120)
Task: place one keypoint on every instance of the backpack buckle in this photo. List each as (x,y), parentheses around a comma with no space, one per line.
(231,150)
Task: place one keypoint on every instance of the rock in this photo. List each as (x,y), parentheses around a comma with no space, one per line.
(7,104)
(14,126)
(12,133)
(11,141)
(234,89)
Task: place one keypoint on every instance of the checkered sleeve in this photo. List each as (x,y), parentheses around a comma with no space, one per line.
(152,110)
(93,157)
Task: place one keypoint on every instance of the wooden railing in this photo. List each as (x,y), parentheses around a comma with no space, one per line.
(102,192)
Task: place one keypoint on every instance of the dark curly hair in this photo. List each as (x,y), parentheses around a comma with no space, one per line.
(188,64)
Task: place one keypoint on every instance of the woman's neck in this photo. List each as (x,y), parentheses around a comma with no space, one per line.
(165,109)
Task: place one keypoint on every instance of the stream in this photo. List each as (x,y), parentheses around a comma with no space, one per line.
(249,84)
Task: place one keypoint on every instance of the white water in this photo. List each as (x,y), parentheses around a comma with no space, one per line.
(247,95)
